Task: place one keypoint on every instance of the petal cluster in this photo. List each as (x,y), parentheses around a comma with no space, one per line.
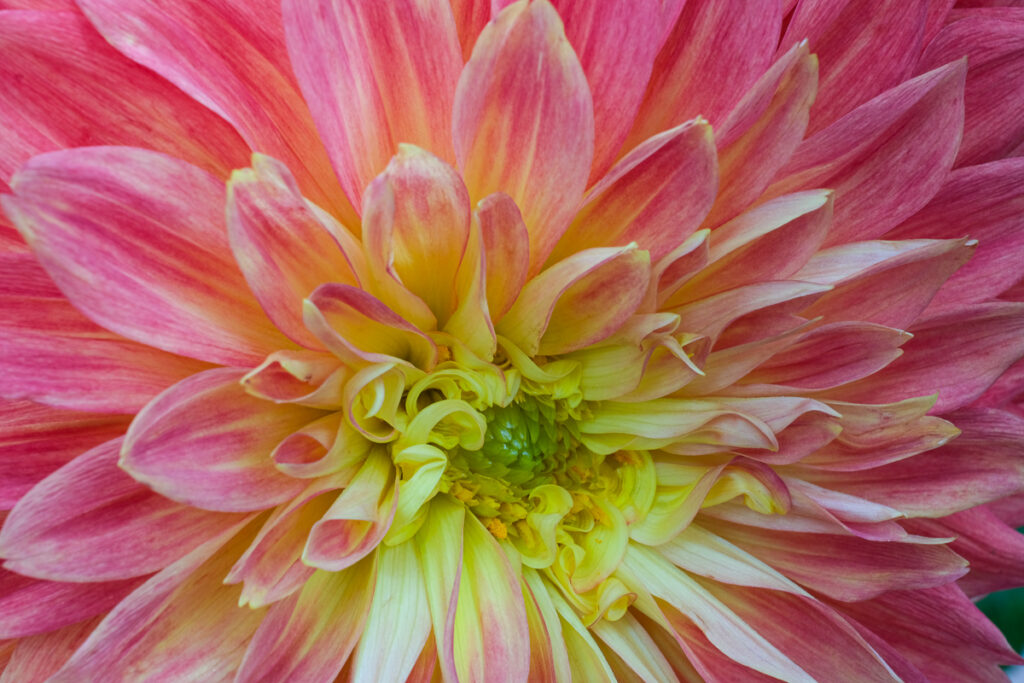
(504,341)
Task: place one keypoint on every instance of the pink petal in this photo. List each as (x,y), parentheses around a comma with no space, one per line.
(37,657)
(36,440)
(656,196)
(846,567)
(865,47)
(423,239)
(890,283)
(957,355)
(307,377)
(616,41)
(714,54)
(994,46)
(232,59)
(994,549)
(770,242)
(182,624)
(65,87)
(786,620)
(767,125)
(207,443)
(284,248)
(524,121)
(86,211)
(470,18)
(886,158)
(360,330)
(506,245)
(939,631)
(995,191)
(29,606)
(357,521)
(89,521)
(490,628)
(471,322)
(578,301)
(309,636)
(368,94)
(271,567)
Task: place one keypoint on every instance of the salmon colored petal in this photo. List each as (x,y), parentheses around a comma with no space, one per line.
(944,635)
(616,42)
(889,283)
(64,86)
(183,294)
(181,624)
(38,657)
(524,121)
(471,322)
(714,54)
(730,634)
(36,440)
(232,59)
(357,521)
(785,620)
(994,549)
(207,443)
(864,46)
(490,629)
(324,447)
(578,301)
(958,355)
(310,636)
(307,377)
(29,606)
(359,329)
(470,18)
(981,465)
(846,567)
(387,653)
(656,196)
(770,242)
(89,521)
(284,248)
(995,191)
(506,246)
(425,237)
(994,46)
(767,125)
(363,102)
(271,567)
(886,158)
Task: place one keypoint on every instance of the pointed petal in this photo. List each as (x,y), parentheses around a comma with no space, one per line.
(86,211)
(207,443)
(424,240)
(29,606)
(865,47)
(181,624)
(656,196)
(524,121)
(309,636)
(55,64)
(506,245)
(766,125)
(284,249)
(232,59)
(578,301)
(886,158)
(368,95)
(994,46)
(36,440)
(714,54)
(89,521)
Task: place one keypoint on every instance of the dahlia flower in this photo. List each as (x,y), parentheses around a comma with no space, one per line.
(545,340)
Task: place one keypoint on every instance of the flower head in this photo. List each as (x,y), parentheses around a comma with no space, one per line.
(509,341)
